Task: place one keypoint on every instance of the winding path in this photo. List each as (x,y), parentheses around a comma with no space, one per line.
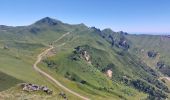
(39,58)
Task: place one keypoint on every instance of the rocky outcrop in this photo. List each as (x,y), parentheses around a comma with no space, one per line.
(81,52)
(86,56)
(152,54)
(123,43)
(160,64)
(63,95)
(123,33)
(109,73)
(33,87)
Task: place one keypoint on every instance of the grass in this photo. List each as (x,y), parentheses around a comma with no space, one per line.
(17,61)
(84,78)
(148,42)
(91,92)
(7,81)
(83,71)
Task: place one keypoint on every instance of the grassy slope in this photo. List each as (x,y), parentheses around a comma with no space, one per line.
(144,43)
(18,61)
(89,73)
(149,42)
(25,45)
(7,81)
(127,65)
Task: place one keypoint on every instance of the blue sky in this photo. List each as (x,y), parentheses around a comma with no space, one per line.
(145,16)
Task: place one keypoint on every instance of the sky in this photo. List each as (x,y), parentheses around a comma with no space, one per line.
(135,16)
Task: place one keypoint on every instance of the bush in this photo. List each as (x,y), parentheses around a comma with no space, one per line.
(160,64)
(145,87)
(50,63)
(83,82)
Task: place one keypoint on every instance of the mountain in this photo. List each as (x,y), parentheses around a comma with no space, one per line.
(98,64)
(48,21)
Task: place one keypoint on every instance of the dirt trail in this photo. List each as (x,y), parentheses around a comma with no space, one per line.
(39,58)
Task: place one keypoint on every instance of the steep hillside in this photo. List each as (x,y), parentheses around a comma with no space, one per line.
(98,64)
(94,51)
(157,45)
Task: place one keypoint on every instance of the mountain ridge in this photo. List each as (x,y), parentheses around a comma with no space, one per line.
(86,59)
(53,21)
